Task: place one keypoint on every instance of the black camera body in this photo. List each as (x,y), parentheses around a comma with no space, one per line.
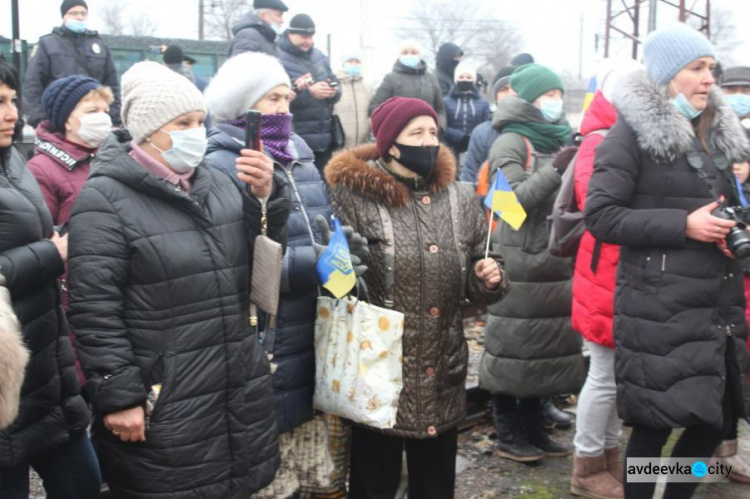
(738,239)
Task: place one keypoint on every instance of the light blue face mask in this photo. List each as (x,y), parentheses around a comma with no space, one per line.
(277,28)
(552,109)
(740,103)
(410,61)
(188,148)
(353,69)
(75,25)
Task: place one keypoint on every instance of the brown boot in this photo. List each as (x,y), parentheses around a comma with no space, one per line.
(591,479)
(614,466)
(727,450)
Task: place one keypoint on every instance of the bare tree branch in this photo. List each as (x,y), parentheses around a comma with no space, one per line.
(143,25)
(222,15)
(112,23)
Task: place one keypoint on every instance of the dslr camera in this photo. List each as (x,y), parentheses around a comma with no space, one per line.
(738,239)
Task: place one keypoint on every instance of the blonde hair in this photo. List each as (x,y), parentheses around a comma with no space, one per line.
(104,93)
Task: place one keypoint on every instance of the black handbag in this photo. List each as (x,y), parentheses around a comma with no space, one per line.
(337,132)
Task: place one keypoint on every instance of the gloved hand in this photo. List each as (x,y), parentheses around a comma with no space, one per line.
(563,159)
(357,244)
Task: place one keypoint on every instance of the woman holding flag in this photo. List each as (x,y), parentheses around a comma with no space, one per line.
(531,350)
(427,239)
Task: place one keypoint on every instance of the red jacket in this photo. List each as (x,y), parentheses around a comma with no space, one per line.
(593,293)
(61,168)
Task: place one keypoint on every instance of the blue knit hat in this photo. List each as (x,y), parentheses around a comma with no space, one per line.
(63,95)
(666,51)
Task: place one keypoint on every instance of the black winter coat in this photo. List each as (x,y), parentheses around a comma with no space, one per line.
(445,65)
(51,406)
(52,59)
(312,117)
(292,339)
(159,294)
(252,34)
(679,323)
(465,111)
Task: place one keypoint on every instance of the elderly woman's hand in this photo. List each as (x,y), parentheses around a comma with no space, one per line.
(256,170)
(128,425)
(488,271)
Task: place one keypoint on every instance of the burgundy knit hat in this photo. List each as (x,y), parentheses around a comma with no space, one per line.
(392,116)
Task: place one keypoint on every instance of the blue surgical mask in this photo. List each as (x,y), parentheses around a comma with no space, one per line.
(277,28)
(684,107)
(552,109)
(353,69)
(410,61)
(75,25)
(740,103)
(188,148)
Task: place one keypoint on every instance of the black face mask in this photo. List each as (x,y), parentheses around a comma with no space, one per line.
(464,86)
(419,159)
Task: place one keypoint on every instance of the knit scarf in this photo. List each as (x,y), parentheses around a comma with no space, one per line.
(275,130)
(545,137)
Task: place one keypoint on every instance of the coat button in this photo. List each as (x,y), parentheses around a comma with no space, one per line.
(431,431)
(433,248)
(430,371)
(434,311)
(426,200)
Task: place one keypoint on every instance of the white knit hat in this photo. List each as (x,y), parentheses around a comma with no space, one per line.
(153,95)
(465,67)
(241,82)
(611,71)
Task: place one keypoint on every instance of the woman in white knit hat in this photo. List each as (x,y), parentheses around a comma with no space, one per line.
(255,81)
(159,270)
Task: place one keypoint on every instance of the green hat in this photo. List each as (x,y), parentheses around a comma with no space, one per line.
(532,80)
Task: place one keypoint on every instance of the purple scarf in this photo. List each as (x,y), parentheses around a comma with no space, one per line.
(275,130)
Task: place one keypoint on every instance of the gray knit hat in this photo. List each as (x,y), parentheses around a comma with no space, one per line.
(241,82)
(666,51)
(153,95)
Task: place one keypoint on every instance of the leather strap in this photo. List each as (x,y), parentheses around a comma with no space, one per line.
(453,199)
(390,255)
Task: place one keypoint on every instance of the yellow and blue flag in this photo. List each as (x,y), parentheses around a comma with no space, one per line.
(590,93)
(335,270)
(502,200)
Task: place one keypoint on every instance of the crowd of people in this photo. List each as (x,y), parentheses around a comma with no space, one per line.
(128,243)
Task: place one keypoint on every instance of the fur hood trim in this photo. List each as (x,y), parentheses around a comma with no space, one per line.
(666,134)
(353,170)
(13,359)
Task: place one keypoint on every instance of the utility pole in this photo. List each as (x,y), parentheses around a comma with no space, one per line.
(652,15)
(16,43)
(201,19)
(580,49)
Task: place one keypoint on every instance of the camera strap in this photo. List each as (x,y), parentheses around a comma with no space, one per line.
(695,160)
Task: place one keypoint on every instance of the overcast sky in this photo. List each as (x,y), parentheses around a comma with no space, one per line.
(550,28)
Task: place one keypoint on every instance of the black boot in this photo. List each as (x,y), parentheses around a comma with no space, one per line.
(533,417)
(554,417)
(511,437)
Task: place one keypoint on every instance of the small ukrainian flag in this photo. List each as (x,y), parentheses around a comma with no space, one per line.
(502,200)
(590,93)
(334,266)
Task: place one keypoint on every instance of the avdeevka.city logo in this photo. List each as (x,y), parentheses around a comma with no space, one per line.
(699,469)
(685,469)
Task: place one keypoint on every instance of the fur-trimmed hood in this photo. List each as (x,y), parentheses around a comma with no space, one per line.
(665,133)
(355,170)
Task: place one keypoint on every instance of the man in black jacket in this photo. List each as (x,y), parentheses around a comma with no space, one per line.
(446,60)
(316,85)
(70,49)
(258,29)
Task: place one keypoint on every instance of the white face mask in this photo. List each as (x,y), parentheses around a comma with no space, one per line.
(94,128)
(188,148)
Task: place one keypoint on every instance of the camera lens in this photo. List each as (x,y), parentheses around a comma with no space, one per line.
(738,242)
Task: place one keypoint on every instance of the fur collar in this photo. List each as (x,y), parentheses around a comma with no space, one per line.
(665,133)
(353,170)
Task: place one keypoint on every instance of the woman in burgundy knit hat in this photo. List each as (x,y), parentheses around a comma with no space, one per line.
(427,237)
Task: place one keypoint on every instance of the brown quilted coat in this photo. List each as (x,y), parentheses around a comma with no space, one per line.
(428,276)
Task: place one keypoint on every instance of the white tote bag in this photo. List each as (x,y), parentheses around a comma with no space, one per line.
(358,364)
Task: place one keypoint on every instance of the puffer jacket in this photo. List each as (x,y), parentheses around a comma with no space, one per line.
(415,83)
(312,117)
(531,349)
(61,168)
(593,290)
(482,138)
(679,324)
(429,278)
(352,109)
(465,110)
(52,59)
(252,34)
(445,65)
(51,406)
(291,341)
(158,295)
